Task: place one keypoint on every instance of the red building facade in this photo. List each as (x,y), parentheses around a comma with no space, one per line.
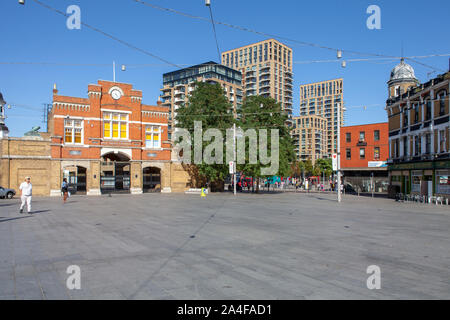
(110,141)
(364,152)
(362,145)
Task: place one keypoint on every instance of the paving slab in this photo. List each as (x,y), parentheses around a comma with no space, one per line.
(249,246)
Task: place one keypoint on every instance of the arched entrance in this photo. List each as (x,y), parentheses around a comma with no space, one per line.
(76,179)
(151,179)
(115,173)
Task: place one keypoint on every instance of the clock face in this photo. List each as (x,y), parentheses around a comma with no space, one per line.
(115,94)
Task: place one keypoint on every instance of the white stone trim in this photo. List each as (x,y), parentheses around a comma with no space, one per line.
(55,193)
(27,157)
(149,113)
(136,191)
(126,151)
(166,190)
(116,88)
(71,106)
(149,123)
(117,111)
(94,93)
(94,192)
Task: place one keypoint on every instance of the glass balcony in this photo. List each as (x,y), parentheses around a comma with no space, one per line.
(265,84)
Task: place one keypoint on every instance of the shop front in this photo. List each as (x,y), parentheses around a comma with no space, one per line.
(430,178)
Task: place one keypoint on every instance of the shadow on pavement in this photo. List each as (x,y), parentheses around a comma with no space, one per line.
(39,211)
(4,220)
(7,204)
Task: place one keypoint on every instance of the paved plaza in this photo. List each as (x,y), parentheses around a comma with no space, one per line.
(267,246)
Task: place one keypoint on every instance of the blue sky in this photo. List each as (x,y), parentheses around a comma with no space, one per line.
(31,33)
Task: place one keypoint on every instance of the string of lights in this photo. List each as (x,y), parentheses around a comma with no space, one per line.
(108,35)
(207,64)
(303,43)
(208,4)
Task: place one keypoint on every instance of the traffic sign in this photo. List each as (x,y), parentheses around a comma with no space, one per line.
(231,167)
(334,162)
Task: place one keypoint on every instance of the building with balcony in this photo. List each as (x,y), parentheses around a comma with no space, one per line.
(178,85)
(266,69)
(310,137)
(364,152)
(419,158)
(322,99)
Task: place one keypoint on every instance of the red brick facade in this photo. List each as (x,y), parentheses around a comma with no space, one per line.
(91,113)
(364,145)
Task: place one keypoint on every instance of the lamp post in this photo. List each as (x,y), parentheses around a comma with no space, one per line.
(235,136)
(339,153)
(234,158)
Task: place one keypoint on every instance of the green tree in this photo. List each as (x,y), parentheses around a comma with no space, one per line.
(308,167)
(208,104)
(297,168)
(325,166)
(265,113)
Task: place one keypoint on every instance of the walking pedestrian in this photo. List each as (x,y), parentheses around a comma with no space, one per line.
(65,189)
(26,190)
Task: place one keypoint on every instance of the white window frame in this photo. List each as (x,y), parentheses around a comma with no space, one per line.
(111,121)
(73,127)
(152,132)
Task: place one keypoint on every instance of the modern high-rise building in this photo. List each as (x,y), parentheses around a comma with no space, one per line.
(266,68)
(323,99)
(310,137)
(177,85)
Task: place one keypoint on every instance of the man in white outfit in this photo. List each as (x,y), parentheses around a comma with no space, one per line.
(26,193)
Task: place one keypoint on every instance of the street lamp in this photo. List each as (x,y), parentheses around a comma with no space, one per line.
(234,155)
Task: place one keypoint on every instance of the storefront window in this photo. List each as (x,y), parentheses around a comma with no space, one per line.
(73,131)
(415,182)
(443,181)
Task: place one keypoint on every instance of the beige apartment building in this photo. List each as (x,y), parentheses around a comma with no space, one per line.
(178,85)
(323,99)
(310,137)
(266,69)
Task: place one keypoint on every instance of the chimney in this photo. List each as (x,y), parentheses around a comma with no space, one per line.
(159,103)
(55,91)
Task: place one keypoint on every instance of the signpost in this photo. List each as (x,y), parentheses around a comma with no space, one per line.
(334,161)
(231,167)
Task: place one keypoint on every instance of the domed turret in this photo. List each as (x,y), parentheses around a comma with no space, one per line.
(403,71)
(402,78)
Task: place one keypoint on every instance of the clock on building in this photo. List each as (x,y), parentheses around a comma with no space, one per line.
(116,94)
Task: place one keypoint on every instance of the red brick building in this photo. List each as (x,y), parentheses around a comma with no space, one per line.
(364,152)
(110,141)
